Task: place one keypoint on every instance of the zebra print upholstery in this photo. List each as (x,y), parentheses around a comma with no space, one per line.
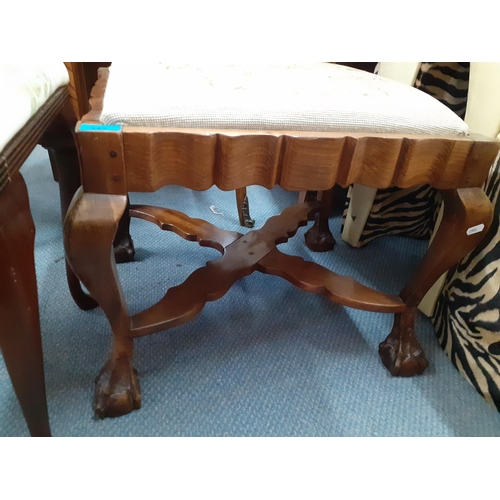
(467,314)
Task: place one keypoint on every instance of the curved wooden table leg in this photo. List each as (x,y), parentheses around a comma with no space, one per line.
(65,165)
(89,231)
(319,237)
(59,142)
(467,216)
(243,208)
(19,317)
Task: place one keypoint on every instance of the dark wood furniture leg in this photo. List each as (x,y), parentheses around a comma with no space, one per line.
(243,208)
(90,230)
(319,237)
(94,218)
(467,216)
(123,245)
(20,339)
(63,155)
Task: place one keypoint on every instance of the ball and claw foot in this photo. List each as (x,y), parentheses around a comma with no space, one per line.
(117,389)
(124,250)
(319,240)
(402,355)
(245,219)
(248,222)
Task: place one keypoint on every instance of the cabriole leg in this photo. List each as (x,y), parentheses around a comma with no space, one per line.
(64,161)
(59,142)
(65,165)
(89,230)
(467,216)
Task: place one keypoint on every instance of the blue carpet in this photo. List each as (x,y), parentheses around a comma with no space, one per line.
(265,360)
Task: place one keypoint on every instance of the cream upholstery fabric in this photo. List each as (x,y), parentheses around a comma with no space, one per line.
(24,89)
(483,104)
(404,72)
(307,97)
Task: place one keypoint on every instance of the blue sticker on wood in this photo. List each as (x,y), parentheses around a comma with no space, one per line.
(96,127)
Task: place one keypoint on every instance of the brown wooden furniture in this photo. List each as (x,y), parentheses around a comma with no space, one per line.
(116,161)
(82,78)
(20,340)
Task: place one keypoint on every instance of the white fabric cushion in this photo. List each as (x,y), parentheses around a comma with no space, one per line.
(306,97)
(24,89)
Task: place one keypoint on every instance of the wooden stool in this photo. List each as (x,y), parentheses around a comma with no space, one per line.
(119,155)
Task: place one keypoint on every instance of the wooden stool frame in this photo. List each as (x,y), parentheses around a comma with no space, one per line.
(118,159)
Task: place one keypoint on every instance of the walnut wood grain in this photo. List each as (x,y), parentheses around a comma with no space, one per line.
(463,209)
(82,76)
(147,158)
(103,153)
(90,229)
(314,278)
(22,144)
(117,390)
(230,159)
(20,339)
(19,328)
(211,282)
(96,217)
(319,238)
(77,88)
(59,142)
(206,234)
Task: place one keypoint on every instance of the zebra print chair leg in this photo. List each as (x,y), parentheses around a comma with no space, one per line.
(428,303)
(360,205)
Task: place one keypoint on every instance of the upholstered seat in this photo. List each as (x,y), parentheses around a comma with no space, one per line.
(25,88)
(316,97)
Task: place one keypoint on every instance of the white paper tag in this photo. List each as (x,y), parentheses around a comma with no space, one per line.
(475,229)
(215,210)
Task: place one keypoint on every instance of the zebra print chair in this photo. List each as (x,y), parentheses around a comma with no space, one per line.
(466,316)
